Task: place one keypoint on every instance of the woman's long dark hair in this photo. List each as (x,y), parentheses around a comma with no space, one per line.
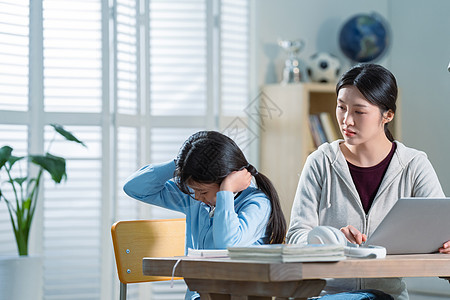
(376,84)
(209,156)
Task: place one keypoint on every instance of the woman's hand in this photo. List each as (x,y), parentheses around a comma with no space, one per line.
(354,235)
(236,181)
(445,248)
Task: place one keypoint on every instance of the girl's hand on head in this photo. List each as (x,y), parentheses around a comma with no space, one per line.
(236,181)
(445,248)
(353,235)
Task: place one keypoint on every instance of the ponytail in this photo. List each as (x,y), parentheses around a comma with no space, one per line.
(277,223)
(388,133)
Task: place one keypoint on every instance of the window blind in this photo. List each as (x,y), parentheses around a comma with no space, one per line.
(234,61)
(176,68)
(126,57)
(72,70)
(234,56)
(178,57)
(72,55)
(14,35)
(72,213)
(15,136)
(127,163)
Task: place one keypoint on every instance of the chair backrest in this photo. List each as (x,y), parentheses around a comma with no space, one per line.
(134,240)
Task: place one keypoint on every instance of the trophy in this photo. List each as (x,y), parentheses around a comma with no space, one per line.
(291,71)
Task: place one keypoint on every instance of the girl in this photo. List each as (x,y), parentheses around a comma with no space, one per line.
(353,183)
(210,182)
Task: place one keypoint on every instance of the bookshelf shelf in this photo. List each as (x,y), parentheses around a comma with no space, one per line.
(286,140)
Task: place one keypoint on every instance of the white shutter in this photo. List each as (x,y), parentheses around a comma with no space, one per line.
(16,137)
(160,78)
(127,163)
(127,135)
(14,41)
(234,56)
(72,55)
(126,207)
(72,214)
(72,232)
(178,57)
(236,106)
(126,57)
(14,34)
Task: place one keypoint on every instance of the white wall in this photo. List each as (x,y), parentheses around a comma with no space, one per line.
(316,22)
(419,59)
(418,56)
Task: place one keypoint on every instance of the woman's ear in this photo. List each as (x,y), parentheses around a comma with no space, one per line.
(388,116)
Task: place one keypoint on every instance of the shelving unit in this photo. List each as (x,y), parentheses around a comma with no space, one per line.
(286,138)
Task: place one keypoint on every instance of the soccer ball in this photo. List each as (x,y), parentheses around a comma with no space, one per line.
(323,67)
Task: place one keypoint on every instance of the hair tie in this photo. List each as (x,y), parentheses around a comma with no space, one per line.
(252,169)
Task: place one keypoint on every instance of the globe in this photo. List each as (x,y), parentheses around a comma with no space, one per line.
(364,38)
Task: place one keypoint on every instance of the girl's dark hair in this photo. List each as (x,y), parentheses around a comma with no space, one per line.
(376,84)
(209,156)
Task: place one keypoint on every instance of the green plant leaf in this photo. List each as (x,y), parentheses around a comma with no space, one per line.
(20,180)
(13,159)
(68,135)
(26,204)
(54,165)
(5,154)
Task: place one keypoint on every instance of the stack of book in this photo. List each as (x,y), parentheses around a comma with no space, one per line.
(288,253)
(322,128)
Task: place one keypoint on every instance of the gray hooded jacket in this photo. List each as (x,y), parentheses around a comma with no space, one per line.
(326,195)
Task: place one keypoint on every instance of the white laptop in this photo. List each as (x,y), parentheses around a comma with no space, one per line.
(414,225)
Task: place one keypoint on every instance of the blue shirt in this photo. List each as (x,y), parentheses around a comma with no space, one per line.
(239,221)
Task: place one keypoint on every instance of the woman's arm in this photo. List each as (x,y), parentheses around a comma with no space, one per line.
(425,180)
(152,184)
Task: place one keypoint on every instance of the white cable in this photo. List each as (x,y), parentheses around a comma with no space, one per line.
(173,272)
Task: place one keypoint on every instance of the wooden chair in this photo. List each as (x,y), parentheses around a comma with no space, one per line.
(134,240)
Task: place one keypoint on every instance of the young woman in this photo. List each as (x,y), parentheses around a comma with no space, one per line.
(210,182)
(352,183)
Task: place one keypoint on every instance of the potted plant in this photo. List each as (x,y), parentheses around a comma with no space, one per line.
(21,193)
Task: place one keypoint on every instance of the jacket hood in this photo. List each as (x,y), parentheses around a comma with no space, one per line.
(331,152)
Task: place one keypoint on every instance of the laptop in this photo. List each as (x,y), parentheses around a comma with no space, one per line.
(414,225)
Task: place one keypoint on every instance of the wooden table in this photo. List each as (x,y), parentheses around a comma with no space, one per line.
(223,278)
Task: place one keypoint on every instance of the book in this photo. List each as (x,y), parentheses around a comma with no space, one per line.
(314,131)
(317,130)
(288,253)
(328,126)
(207,252)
